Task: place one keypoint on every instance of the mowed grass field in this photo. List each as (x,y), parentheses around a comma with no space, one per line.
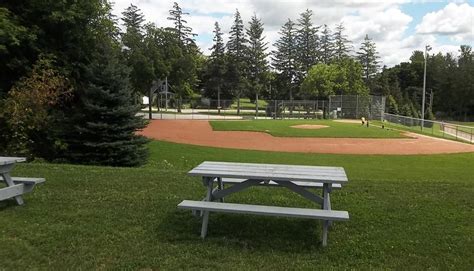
(406,213)
(283,128)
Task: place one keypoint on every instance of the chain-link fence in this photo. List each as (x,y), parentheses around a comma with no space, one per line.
(435,128)
(351,106)
(356,106)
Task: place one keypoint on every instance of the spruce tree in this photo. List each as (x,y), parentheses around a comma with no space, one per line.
(256,57)
(284,57)
(342,45)
(368,56)
(103,129)
(183,32)
(307,44)
(183,75)
(215,68)
(326,46)
(141,74)
(236,64)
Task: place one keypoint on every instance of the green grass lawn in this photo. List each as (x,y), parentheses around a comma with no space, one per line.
(407,212)
(283,128)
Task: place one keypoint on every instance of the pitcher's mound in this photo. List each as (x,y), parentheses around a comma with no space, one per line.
(309,126)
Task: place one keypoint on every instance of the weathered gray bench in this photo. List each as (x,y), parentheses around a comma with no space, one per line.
(15,186)
(264,210)
(243,175)
(21,186)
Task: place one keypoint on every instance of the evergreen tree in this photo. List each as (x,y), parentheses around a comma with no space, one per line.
(341,43)
(326,45)
(284,57)
(368,56)
(183,32)
(236,64)
(103,128)
(141,75)
(215,68)
(256,57)
(183,75)
(307,44)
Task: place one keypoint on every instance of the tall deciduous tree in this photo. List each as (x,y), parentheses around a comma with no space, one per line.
(236,61)
(307,44)
(342,46)
(284,57)
(368,56)
(256,57)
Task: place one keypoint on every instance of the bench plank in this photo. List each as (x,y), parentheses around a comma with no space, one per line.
(28,180)
(12,191)
(264,210)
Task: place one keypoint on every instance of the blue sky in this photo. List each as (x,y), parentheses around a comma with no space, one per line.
(397,26)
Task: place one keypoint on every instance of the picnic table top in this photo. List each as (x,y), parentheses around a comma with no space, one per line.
(274,172)
(10,160)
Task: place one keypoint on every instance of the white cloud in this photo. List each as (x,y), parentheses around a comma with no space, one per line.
(383,21)
(456,21)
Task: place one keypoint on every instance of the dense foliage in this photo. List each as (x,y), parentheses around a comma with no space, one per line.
(67,68)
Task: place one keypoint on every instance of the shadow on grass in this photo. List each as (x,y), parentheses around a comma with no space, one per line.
(241,231)
(7,204)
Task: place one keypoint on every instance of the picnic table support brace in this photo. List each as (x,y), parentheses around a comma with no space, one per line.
(326,206)
(4,172)
(301,191)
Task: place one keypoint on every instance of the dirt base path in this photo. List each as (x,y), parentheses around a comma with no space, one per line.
(197,132)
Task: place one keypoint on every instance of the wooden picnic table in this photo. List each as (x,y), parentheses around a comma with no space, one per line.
(15,186)
(298,179)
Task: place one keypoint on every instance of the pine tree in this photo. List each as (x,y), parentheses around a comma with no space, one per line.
(236,64)
(342,45)
(183,75)
(183,32)
(215,68)
(256,57)
(326,45)
(284,57)
(141,74)
(103,128)
(368,56)
(307,44)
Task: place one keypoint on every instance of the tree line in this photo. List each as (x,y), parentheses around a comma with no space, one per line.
(72,79)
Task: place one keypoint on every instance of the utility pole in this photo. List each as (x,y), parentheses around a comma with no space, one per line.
(166,93)
(427,48)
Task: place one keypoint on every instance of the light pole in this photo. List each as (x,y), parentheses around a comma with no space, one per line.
(427,48)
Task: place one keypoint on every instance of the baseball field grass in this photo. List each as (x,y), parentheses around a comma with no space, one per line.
(406,213)
(283,128)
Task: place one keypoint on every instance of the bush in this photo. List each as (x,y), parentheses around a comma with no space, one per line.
(26,114)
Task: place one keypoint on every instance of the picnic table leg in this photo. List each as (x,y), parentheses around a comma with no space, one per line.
(8,180)
(326,206)
(220,185)
(205,219)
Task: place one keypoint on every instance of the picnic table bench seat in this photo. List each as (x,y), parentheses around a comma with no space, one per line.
(264,210)
(21,186)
